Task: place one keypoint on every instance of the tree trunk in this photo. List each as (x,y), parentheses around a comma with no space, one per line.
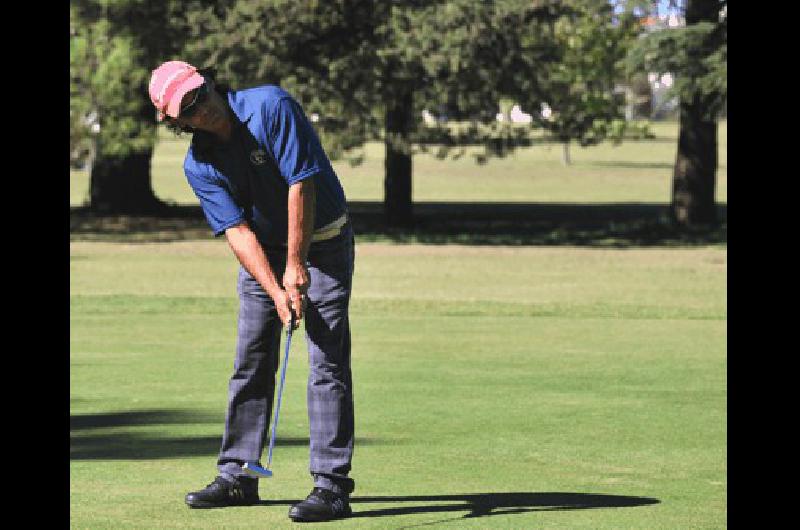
(694,176)
(565,158)
(121,185)
(397,180)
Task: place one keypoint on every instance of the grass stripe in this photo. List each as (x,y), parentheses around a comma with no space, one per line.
(81,305)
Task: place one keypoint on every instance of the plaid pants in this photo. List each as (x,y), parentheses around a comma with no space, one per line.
(330,389)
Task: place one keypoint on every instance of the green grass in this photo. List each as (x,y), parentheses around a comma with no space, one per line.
(478,371)
(634,171)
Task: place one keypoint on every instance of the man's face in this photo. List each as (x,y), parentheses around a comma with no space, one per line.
(202,108)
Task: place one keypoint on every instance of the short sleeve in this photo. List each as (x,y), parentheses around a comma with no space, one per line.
(218,205)
(294,142)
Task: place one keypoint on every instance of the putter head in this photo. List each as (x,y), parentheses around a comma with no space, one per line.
(256,471)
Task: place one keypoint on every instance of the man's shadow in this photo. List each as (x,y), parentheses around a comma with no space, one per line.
(486,504)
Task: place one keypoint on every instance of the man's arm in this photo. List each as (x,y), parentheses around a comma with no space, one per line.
(248,251)
(302,204)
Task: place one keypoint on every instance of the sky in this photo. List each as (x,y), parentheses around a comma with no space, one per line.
(664,6)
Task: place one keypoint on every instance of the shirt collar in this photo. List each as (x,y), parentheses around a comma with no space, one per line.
(242,115)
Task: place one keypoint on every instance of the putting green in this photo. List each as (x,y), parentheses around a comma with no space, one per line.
(502,387)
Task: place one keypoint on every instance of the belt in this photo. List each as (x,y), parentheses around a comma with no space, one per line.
(330,230)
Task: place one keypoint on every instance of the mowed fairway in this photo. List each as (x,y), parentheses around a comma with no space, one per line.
(633,171)
(495,387)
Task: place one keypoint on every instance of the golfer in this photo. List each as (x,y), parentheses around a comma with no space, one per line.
(264,181)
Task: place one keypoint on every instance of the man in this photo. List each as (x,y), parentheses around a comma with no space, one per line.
(264,181)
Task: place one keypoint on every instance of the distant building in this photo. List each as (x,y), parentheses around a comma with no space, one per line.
(428,118)
(661,105)
(515,115)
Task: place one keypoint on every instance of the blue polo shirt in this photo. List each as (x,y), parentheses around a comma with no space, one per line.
(273,146)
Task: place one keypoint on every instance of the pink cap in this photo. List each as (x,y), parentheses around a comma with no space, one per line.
(169,83)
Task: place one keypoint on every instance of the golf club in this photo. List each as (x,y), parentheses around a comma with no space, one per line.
(252,468)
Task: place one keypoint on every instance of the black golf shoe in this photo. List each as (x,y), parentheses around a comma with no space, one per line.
(222,492)
(321,505)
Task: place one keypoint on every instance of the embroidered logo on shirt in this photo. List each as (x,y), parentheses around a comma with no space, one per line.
(258,157)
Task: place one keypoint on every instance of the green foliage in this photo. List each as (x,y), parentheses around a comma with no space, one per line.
(696,55)
(578,80)
(345,60)
(114,45)
(105,70)
(565,54)
(321,52)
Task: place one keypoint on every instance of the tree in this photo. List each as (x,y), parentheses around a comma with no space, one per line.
(578,81)
(696,55)
(366,69)
(108,127)
(342,60)
(107,110)
(114,44)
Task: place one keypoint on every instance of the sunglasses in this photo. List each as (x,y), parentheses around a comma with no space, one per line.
(200,95)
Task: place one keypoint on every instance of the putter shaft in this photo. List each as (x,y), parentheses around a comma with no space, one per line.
(252,468)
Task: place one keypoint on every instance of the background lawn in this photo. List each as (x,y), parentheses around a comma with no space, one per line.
(633,171)
(495,386)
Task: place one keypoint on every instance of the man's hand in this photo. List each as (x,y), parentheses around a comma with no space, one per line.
(283,307)
(296,282)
